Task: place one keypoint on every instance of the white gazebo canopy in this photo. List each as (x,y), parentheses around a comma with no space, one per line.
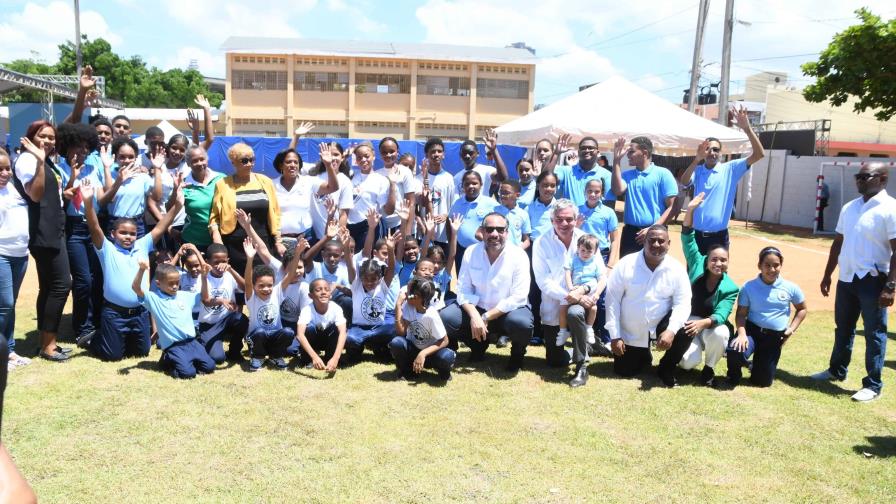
(617,108)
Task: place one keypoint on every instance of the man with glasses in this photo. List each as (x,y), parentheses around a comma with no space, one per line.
(865,251)
(571,180)
(718,183)
(493,295)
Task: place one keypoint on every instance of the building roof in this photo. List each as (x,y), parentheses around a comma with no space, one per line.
(373,49)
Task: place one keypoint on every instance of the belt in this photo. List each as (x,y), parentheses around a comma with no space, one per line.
(751,327)
(709,233)
(292,235)
(138,217)
(123,310)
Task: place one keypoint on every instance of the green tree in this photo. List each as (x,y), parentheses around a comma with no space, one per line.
(860,62)
(127,79)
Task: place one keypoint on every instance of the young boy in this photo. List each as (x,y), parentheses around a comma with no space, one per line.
(332,268)
(321,325)
(518,223)
(421,339)
(125,324)
(583,268)
(600,220)
(267,337)
(525,173)
(220,317)
(172,309)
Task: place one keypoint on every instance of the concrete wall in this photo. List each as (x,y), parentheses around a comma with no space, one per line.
(785,193)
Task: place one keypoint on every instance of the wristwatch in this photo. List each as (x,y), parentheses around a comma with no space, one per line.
(485,317)
(891,285)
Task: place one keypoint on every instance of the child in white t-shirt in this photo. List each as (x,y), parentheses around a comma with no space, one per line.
(224,320)
(422,340)
(321,325)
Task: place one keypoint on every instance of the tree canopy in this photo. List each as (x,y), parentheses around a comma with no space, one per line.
(859,62)
(128,80)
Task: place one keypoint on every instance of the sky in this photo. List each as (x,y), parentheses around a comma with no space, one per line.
(649,42)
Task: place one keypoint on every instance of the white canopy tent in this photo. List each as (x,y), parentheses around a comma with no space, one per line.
(617,108)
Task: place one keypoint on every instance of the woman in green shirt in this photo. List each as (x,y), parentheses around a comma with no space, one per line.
(199,189)
(713,295)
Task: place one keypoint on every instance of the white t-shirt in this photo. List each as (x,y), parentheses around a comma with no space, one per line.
(26,167)
(343,198)
(438,297)
(442,192)
(423,329)
(224,288)
(404,183)
(370,191)
(484,171)
(333,315)
(13,222)
(265,313)
(168,177)
(368,308)
(295,203)
(295,297)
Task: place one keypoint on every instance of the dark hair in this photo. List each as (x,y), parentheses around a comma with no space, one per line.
(589,241)
(709,250)
(389,139)
(423,260)
(35,127)
(216,248)
(280,158)
(714,139)
(262,270)
(154,131)
(164,269)
(604,159)
(343,166)
(471,173)
(422,288)
(435,251)
(538,180)
(372,267)
(333,243)
(658,227)
(121,221)
(524,160)
(410,239)
(179,138)
(770,251)
(312,283)
(515,184)
(644,143)
(545,140)
(598,180)
(469,142)
(121,116)
(70,135)
(407,155)
(493,214)
(119,142)
(431,143)
(587,138)
(100,120)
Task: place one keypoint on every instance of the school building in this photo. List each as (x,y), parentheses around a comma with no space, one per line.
(366,89)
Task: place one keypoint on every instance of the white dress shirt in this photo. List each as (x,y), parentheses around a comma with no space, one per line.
(638,299)
(548,257)
(867,228)
(503,285)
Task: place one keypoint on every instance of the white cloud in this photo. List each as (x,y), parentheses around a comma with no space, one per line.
(39,29)
(214,21)
(210,64)
(356,17)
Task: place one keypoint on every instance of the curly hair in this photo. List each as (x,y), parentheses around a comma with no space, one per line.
(70,135)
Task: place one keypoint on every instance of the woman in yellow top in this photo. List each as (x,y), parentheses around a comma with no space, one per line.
(254,193)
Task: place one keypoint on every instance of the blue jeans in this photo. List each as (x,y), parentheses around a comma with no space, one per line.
(371,335)
(12,272)
(269,343)
(87,277)
(860,297)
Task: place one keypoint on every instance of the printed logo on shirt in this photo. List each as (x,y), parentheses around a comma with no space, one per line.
(373,308)
(436,197)
(783,295)
(265,316)
(419,332)
(216,293)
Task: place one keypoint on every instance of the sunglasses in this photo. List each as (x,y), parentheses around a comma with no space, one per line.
(492,229)
(864,177)
(247,160)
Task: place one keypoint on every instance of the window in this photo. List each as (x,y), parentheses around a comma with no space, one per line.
(443,86)
(502,88)
(321,81)
(383,83)
(258,79)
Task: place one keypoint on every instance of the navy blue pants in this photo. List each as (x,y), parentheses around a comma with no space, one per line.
(705,240)
(87,277)
(122,334)
(233,329)
(404,352)
(344,301)
(269,343)
(765,347)
(628,244)
(325,339)
(184,359)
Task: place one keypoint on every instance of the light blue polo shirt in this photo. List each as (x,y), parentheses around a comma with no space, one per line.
(571,182)
(130,199)
(719,186)
(173,315)
(583,272)
(539,217)
(338,277)
(119,269)
(599,221)
(527,194)
(517,222)
(770,304)
(473,213)
(90,171)
(646,194)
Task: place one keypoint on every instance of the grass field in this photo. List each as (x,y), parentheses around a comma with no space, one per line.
(87,431)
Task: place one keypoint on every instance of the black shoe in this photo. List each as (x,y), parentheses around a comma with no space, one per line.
(56,357)
(667,377)
(65,351)
(514,364)
(445,375)
(83,340)
(581,377)
(708,376)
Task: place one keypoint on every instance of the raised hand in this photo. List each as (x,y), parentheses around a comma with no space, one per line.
(563,142)
(429,226)
(702,151)
(38,152)
(424,169)
(304,128)
(87,190)
(106,156)
(402,210)
(696,201)
(243,219)
(373,217)
(325,154)
(537,164)
(143,264)
(158,159)
(740,117)
(92,96)
(392,239)
(572,158)
(87,80)
(301,246)
(618,149)
(202,102)
(178,190)
(126,172)
(192,120)
(491,140)
(332,230)
(249,248)
(456,221)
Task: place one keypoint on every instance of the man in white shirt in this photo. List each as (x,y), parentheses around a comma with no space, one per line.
(493,295)
(549,254)
(865,249)
(648,299)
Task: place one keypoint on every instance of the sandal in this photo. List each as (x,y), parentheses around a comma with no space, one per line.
(56,357)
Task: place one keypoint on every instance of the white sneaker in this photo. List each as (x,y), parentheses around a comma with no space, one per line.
(562,336)
(865,395)
(824,376)
(590,334)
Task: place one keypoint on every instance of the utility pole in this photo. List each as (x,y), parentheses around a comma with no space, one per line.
(698,48)
(78,35)
(726,63)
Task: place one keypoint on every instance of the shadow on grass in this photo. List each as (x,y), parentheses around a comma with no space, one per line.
(144,365)
(31,344)
(890,364)
(805,382)
(427,377)
(879,446)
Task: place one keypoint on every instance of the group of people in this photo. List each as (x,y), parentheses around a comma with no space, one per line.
(333,258)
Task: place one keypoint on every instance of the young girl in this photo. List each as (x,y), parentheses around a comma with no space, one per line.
(175,166)
(763,310)
(127,196)
(267,337)
(13,254)
(372,192)
(421,339)
(601,221)
(321,325)
(539,215)
(372,322)
(402,177)
(526,174)
(474,205)
(583,268)
(189,261)
(440,260)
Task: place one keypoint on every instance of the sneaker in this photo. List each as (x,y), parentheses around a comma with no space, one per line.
(865,395)
(503,341)
(825,375)
(279,363)
(707,376)
(590,336)
(255,364)
(562,336)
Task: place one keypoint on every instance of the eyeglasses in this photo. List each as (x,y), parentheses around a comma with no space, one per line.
(864,177)
(493,229)
(247,160)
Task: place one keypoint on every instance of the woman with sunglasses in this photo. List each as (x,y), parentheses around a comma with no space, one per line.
(251,192)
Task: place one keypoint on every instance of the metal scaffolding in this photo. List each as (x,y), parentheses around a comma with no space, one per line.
(822,128)
(54,85)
